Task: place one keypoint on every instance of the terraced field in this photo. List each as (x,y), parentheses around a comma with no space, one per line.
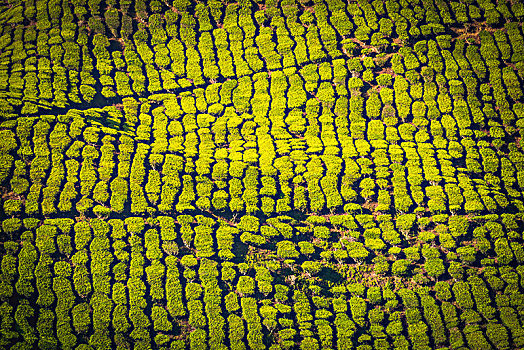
(261,175)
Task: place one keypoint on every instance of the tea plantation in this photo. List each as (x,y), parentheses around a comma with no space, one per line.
(261,174)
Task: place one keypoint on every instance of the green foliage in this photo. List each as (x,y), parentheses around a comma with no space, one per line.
(337,165)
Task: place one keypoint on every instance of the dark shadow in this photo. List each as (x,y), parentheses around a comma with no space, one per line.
(328,274)
(240,250)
